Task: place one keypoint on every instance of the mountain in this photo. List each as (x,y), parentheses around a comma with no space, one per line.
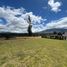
(54,30)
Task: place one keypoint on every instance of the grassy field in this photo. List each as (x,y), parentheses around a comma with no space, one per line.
(33,52)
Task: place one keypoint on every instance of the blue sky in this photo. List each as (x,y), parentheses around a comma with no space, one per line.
(50,12)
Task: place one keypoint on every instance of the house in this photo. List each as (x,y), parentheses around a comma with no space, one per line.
(65,35)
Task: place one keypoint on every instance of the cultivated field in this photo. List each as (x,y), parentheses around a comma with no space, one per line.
(33,52)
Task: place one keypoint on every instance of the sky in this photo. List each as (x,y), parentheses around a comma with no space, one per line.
(44,14)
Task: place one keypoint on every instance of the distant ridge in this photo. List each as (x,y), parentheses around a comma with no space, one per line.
(54,30)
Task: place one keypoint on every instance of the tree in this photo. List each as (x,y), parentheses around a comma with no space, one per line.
(30,26)
(54,32)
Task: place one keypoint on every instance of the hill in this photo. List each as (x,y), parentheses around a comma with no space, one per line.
(54,30)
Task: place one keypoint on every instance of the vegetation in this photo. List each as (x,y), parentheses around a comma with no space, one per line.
(33,52)
(30,26)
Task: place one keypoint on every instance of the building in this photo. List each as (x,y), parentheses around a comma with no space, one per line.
(56,35)
(65,35)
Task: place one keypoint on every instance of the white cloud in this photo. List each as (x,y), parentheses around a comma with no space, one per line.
(61,23)
(17,20)
(54,5)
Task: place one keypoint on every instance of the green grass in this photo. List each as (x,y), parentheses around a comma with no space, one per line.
(33,52)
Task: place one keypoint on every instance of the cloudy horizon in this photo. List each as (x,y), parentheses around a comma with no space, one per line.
(14,18)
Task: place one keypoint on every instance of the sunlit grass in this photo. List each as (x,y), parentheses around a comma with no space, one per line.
(33,52)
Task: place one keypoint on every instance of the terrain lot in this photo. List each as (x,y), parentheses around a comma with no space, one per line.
(33,52)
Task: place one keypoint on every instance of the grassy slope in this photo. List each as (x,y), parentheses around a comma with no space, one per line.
(33,53)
